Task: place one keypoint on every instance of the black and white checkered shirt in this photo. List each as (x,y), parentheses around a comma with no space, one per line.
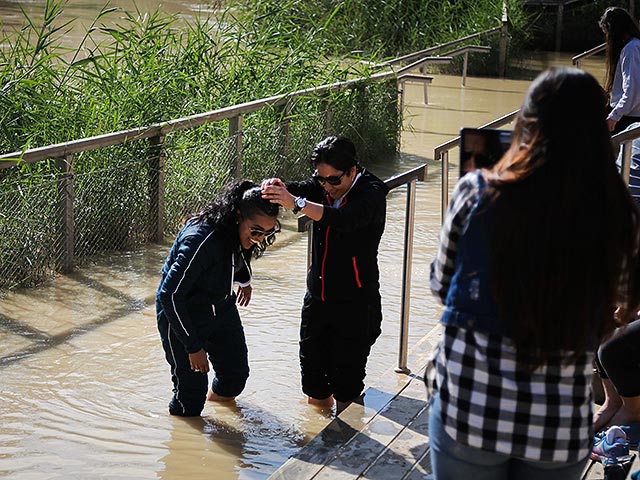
(488,400)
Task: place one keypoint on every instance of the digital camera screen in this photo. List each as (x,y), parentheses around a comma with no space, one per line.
(482,147)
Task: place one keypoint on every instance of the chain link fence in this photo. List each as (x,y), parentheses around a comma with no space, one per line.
(119,198)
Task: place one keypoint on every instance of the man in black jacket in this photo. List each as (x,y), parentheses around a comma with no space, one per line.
(342,312)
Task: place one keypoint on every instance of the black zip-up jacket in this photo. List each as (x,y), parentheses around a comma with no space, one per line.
(344,263)
(197,280)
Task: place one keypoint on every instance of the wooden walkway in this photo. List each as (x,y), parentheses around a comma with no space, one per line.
(386,437)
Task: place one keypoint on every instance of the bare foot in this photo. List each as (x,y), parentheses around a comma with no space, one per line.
(214,397)
(605,413)
(321,402)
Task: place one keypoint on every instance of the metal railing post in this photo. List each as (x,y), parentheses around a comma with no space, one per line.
(406,277)
(465,64)
(235,132)
(502,61)
(66,218)
(401,84)
(559,22)
(156,189)
(625,168)
(444,194)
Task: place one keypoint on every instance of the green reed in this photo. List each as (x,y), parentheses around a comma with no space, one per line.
(142,69)
(387,28)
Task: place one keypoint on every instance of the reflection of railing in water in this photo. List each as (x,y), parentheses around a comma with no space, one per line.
(409,179)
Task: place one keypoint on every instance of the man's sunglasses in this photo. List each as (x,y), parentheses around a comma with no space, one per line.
(258,232)
(331,180)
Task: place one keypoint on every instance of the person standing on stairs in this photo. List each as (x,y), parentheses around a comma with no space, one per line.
(535,255)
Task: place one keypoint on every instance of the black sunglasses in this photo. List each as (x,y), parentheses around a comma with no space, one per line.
(258,232)
(331,180)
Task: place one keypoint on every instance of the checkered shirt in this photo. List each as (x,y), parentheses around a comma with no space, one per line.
(488,400)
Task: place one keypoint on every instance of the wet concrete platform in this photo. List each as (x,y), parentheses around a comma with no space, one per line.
(386,436)
(383,437)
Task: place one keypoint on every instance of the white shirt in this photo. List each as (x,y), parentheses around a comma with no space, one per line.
(625,91)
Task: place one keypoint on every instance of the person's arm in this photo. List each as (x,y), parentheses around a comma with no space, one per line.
(357,212)
(456,220)
(630,69)
(283,194)
(194,256)
(308,188)
(243,279)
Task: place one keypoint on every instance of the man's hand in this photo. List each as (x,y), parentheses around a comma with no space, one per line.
(279,194)
(272,181)
(611,124)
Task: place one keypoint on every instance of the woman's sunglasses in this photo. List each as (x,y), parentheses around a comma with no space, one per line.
(258,232)
(331,180)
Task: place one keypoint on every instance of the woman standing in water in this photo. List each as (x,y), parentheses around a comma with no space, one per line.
(196,304)
(623,67)
(535,255)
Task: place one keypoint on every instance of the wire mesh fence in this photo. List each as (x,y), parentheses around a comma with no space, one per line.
(55,215)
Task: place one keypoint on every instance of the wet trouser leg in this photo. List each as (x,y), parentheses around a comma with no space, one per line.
(335,341)
(189,387)
(226,347)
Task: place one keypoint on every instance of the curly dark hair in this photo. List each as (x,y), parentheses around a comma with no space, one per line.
(242,196)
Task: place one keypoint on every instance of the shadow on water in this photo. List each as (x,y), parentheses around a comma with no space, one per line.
(253,440)
(43,341)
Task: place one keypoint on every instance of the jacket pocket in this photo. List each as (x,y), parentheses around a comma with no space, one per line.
(355,272)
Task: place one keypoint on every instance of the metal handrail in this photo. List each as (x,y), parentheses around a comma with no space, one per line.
(61,150)
(429,51)
(442,152)
(577,60)
(624,140)
(409,179)
(446,58)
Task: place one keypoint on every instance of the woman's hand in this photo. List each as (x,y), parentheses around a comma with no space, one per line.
(611,124)
(199,362)
(244,295)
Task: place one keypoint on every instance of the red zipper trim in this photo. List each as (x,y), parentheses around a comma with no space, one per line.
(355,269)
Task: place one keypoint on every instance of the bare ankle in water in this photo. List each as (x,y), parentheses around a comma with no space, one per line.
(321,402)
(214,397)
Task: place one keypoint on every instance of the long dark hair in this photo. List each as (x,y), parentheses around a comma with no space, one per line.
(619,28)
(244,197)
(566,226)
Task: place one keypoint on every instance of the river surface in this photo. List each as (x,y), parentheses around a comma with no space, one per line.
(83,380)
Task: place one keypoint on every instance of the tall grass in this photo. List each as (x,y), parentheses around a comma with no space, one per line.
(148,69)
(386,28)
